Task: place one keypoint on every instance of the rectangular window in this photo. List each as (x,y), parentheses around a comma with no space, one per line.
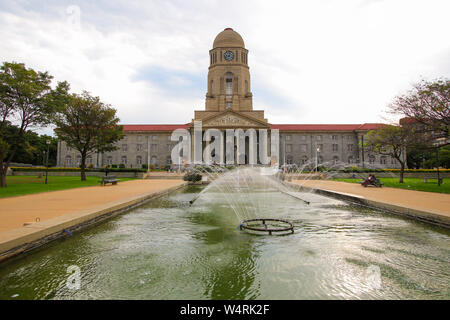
(124,159)
(169,147)
(154,138)
(319,138)
(303,138)
(124,147)
(288,138)
(350,147)
(320,147)
(289,148)
(303,147)
(335,147)
(139,147)
(334,137)
(154,148)
(139,138)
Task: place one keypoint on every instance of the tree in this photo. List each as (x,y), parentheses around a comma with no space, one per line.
(428,103)
(393,141)
(26,99)
(88,125)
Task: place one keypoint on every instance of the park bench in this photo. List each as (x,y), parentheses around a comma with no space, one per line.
(440,180)
(109,179)
(377,183)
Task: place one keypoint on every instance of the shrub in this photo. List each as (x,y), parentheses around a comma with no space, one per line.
(145,166)
(192,177)
(121,166)
(114,166)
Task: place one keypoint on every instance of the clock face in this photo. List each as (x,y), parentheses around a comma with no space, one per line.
(228,55)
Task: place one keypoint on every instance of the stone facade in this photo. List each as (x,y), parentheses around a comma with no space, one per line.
(229,105)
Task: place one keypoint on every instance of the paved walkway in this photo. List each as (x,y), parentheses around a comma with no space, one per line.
(15,211)
(64,209)
(437,203)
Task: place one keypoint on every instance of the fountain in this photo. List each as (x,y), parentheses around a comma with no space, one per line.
(249,192)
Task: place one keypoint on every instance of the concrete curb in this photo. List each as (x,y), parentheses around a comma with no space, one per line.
(424,216)
(30,237)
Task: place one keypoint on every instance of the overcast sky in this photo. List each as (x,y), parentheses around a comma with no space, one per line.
(310,61)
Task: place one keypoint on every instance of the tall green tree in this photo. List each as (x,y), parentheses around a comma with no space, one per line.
(393,141)
(27,100)
(88,125)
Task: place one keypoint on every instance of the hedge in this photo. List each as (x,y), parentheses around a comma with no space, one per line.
(59,169)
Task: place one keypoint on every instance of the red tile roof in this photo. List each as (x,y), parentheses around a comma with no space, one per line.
(154,127)
(326,127)
(283,127)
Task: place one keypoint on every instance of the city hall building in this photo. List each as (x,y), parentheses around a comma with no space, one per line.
(229,105)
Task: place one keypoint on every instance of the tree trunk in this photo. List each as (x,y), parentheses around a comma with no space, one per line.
(2,180)
(83,167)
(402,171)
(3,172)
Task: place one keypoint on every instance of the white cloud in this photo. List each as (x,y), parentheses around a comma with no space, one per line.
(310,61)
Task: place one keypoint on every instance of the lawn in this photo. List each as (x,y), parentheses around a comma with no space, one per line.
(410,184)
(21,185)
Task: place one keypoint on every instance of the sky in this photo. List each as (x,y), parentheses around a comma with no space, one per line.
(317,61)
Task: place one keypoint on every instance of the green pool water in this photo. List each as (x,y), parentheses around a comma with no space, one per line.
(167,249)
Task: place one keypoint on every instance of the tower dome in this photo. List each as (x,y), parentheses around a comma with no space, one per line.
(228,38)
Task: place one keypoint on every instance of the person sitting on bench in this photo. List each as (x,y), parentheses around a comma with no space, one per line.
(369,180)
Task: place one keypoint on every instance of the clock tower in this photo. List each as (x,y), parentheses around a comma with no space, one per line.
(228,76)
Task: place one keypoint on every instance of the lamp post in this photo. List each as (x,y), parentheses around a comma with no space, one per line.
(46,161)
(317,157)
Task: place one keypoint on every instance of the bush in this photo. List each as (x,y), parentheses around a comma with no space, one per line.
(192,177)
(121,166)
(114,166)
(57,169)
(145,166)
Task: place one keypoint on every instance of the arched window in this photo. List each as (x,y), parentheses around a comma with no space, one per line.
(304,160)
(139,160)
(169,160)
(229,84)
(124,160)
(109,160)
(382,160)
(350,159)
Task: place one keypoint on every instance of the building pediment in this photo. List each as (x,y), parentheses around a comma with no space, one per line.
(232,119)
